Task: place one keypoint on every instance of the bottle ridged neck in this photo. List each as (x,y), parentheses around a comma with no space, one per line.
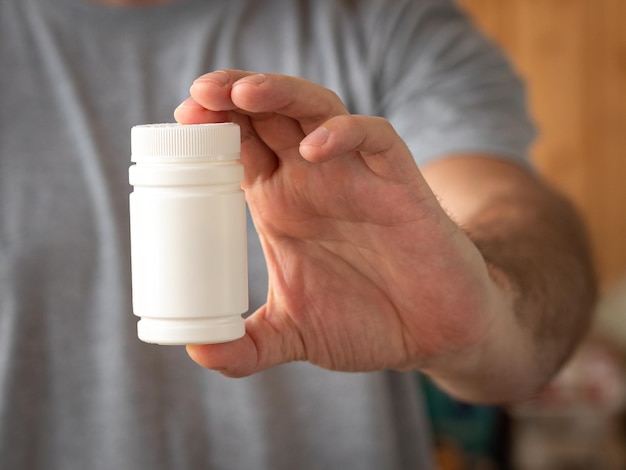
(170,142)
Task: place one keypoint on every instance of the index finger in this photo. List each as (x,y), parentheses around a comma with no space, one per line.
(259,94)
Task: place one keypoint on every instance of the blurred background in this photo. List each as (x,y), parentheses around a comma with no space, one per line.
(572,54)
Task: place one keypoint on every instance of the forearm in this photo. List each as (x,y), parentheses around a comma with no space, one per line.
(537,256)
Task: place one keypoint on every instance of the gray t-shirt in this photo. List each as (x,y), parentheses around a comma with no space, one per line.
(77,389)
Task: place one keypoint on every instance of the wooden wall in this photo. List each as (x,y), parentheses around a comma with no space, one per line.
(572,54)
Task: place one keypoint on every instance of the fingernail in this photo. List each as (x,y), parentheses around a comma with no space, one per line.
(189,103)
(219,77)
(317,138)
(254,79)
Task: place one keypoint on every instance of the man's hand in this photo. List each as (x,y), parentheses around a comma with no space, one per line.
(366,270)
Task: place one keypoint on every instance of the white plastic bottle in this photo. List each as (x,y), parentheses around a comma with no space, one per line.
(188,233)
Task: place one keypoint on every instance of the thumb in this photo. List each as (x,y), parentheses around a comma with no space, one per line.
(263,346)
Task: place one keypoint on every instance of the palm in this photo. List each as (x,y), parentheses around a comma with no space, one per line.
(332,254)
(320,281)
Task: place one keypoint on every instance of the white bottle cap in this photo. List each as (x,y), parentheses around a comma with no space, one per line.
(172,142)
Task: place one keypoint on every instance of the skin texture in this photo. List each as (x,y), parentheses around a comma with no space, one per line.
(368,271)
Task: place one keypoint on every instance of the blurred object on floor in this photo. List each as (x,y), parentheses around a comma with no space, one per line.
(467,437)
(610,320)
(576,423)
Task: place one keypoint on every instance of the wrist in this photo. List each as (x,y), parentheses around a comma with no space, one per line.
(494,368)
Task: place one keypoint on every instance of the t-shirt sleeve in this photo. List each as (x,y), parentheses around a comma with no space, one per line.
(447,89)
